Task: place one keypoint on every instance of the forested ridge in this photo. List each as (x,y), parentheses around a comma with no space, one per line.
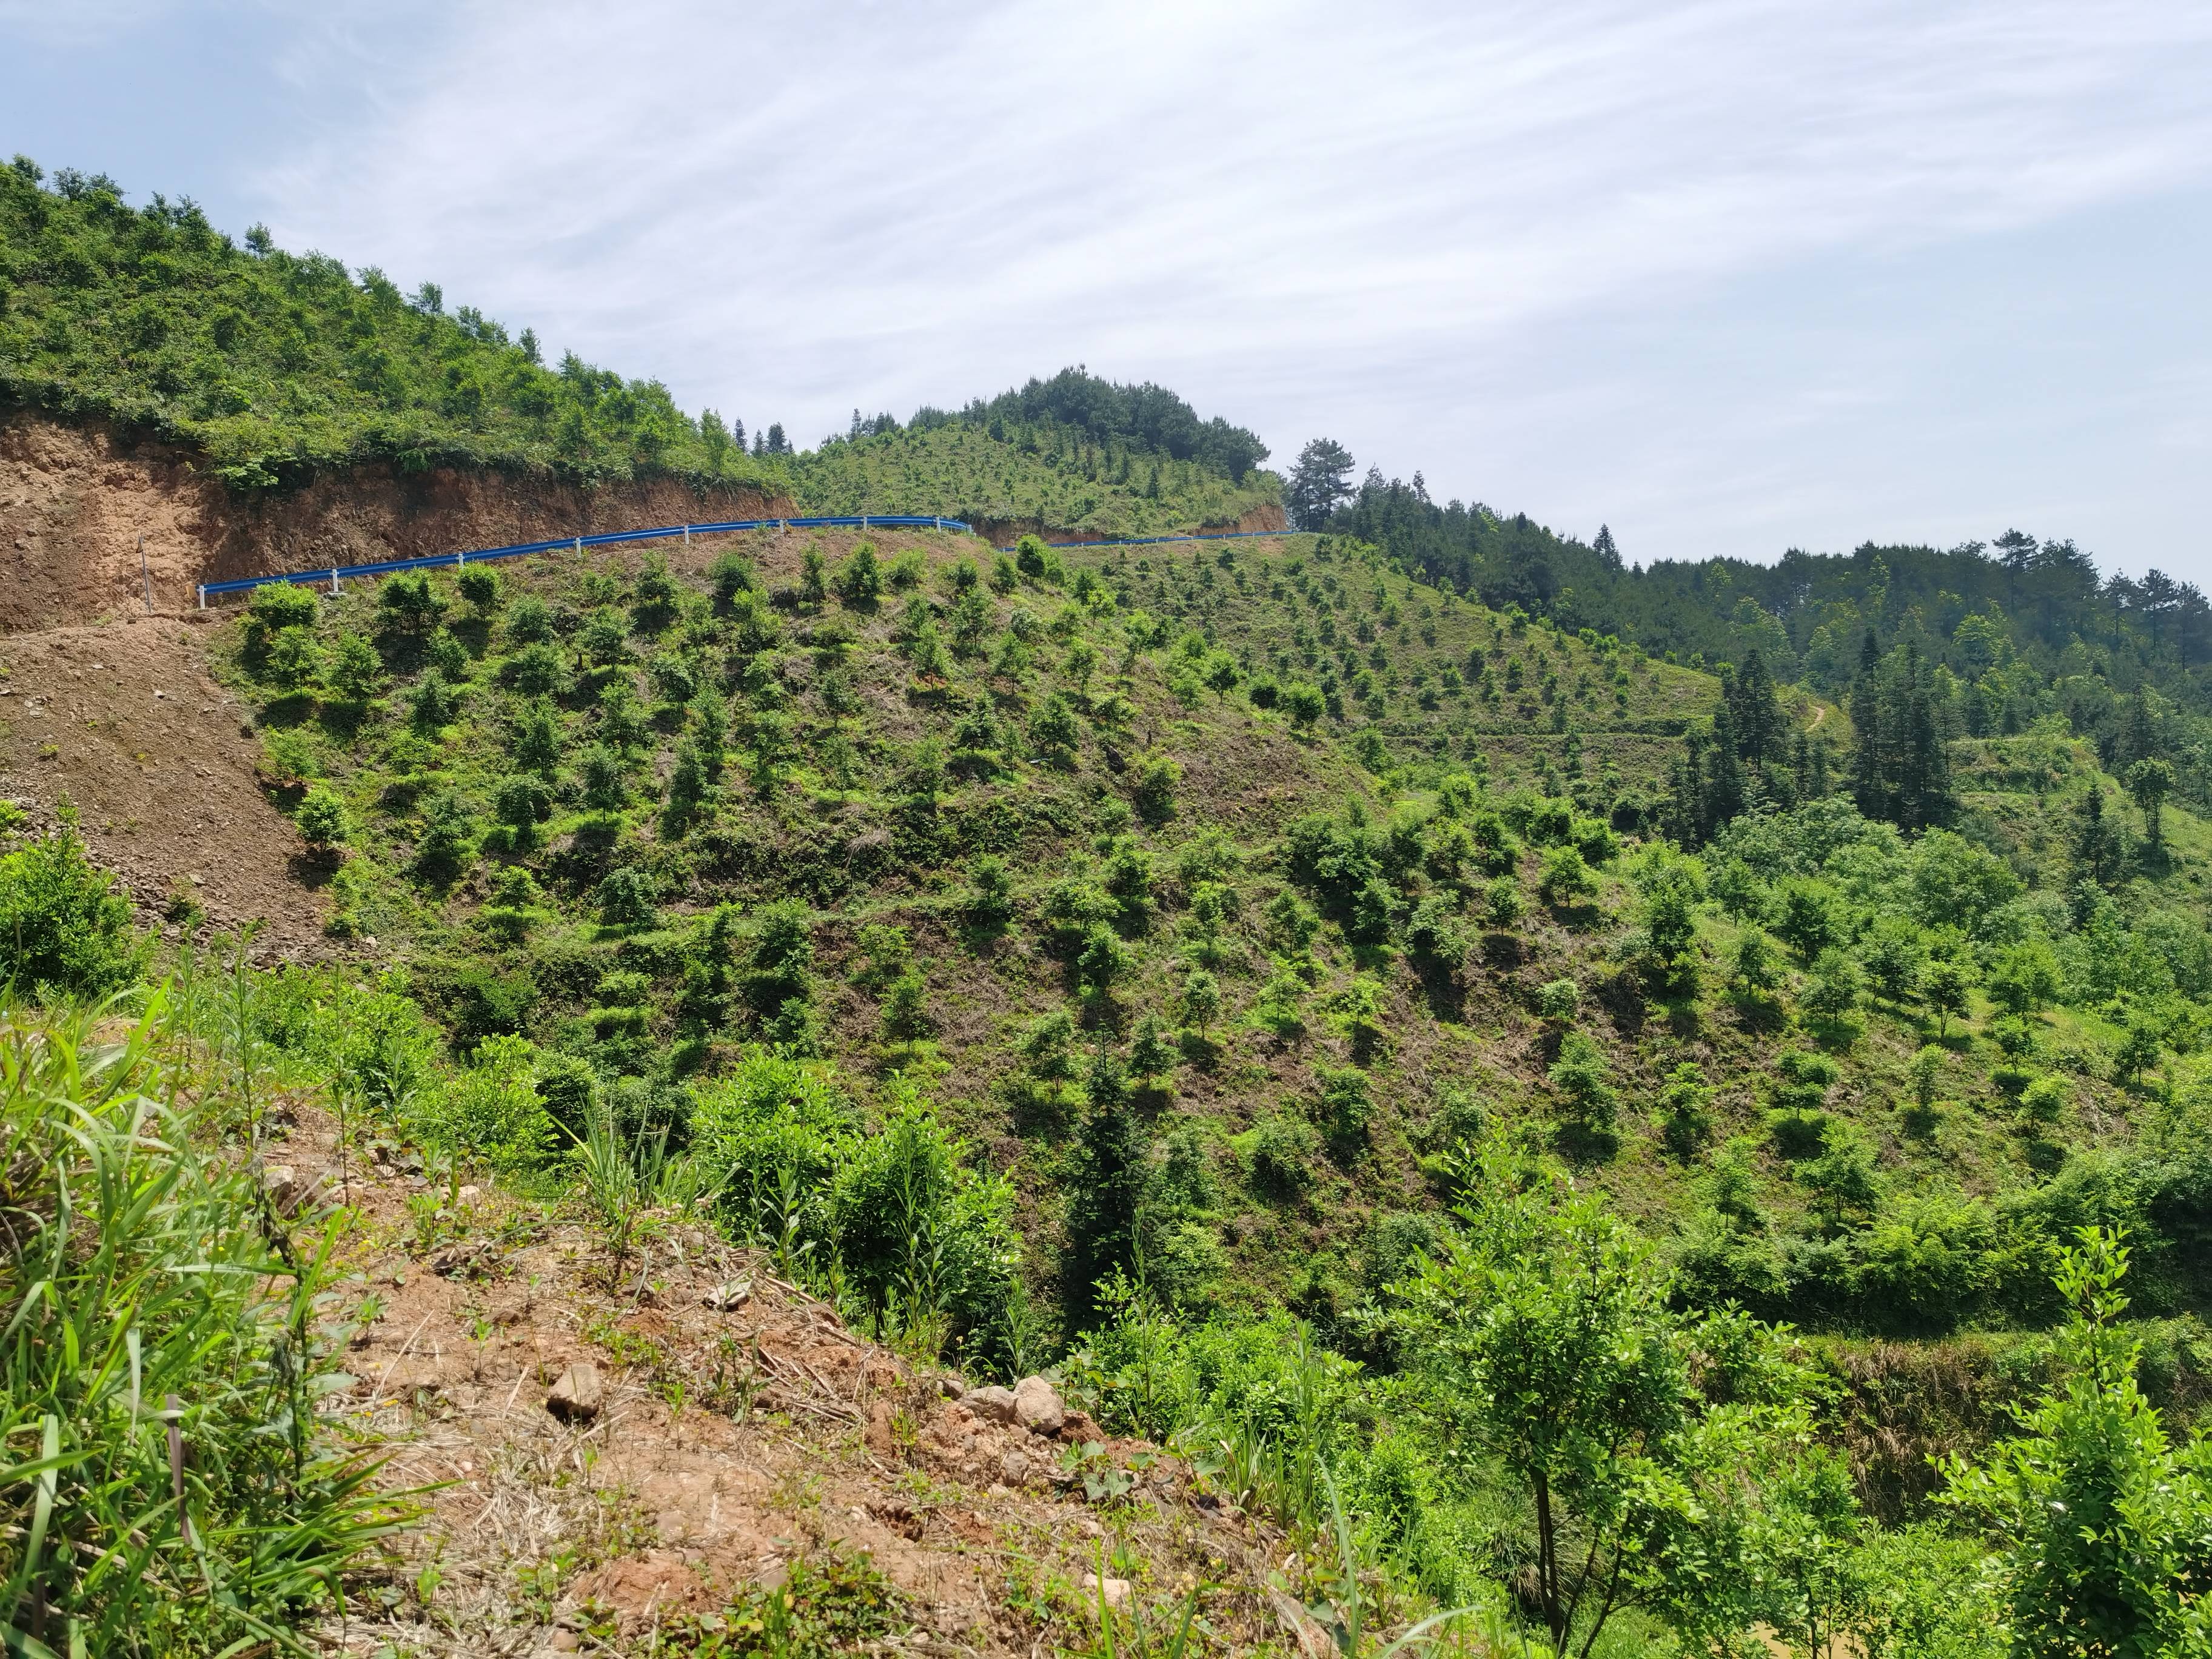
(1622,1112)
(2010,630)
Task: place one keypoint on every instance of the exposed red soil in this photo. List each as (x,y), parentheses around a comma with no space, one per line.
(75,500)
(730,1440)
(123,723)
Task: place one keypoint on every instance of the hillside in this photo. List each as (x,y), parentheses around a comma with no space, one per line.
(2020,628)
(248,410)
(1167,972)
(1076,455)
(1037,479)
(1477,1095)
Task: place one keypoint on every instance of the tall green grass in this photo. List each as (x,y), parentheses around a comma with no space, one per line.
(165,1486)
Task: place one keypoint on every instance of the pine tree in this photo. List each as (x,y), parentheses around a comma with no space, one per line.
(1866,768)
(1761,732)
(1106,1202)
(2096,845)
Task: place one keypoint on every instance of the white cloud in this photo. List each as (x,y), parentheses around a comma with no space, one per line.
(1305,217)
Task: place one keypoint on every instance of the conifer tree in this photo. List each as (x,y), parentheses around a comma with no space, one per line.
(1106,1202)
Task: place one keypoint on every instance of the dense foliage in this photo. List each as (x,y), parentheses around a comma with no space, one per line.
(278,364)
(2007,633)
(169,1489)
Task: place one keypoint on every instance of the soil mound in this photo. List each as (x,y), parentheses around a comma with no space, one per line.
(123,723)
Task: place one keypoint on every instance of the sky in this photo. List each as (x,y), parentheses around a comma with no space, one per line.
(1731,277)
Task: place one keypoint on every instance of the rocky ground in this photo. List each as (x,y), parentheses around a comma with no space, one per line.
(606,1446)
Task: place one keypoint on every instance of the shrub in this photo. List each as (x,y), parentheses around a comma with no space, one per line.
(1502,903)
(627,897)
(1583,1077)
(1304,702)
(1152,793)
(917,1233)
(321,818)
(1558,1000)
(408,605)
(529,621)
(1686,1118)
(65,931)
(859,580)
(1565,879)
(1347,1105)
(1279,1153)
(447,835)
(727,577)
(491,1115)
(480,587)
(353,672)
(274,610)
(988,904)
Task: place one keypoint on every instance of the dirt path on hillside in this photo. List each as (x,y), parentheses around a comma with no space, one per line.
(122,722)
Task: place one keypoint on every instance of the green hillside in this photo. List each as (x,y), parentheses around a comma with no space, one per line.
(278,364)
(1237,967)
(1666,1110)
(1422,884)
(1047,474)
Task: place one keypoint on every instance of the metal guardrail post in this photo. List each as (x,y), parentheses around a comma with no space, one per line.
(203,586)
(334,579)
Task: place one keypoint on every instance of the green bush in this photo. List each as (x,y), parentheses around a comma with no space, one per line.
(321,818)
(157,1317)
(65,931)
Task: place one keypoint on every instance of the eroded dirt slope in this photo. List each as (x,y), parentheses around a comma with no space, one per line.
(124,723)
(74,501)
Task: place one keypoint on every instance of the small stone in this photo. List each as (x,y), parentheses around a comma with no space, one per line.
(1037,1406)
(723,1298)
(289,1194)
(576,1394)
(995,1402)
(1014,1467)
(468,1194)
(1080,1431)
(882,1439)
(1116,1591)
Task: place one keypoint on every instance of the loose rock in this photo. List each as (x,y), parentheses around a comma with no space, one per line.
(1014,1467)
(1116,1591)
(577,1394)
(725,1297)
(995,1402)
(1037,1406)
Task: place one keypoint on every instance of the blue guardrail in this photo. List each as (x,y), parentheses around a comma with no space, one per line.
(337,575)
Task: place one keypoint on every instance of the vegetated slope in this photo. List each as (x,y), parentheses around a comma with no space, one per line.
(1077,726)
(741,1438)
(2021,629)
(279,365)
(1075,454)
(1256,989)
